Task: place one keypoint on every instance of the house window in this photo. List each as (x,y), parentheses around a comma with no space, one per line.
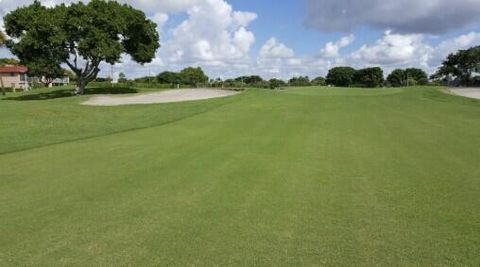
(13,74)
(23,77)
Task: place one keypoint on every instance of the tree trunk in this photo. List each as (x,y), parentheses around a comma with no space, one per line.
(88,74)
(3,87)
(80,88)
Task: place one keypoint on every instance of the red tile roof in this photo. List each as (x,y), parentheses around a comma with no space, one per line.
(13,69)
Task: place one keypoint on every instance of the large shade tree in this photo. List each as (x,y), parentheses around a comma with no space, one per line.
(80,36)
(461,66)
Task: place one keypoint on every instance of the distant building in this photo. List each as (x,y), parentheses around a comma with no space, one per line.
(61,81)
(15,77)
(56,82)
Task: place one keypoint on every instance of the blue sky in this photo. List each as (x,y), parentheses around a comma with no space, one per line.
(285,21)
(299,37)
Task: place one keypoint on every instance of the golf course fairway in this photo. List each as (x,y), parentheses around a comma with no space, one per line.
(299,177)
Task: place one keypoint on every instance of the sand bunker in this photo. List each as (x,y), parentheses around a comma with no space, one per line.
(466,92)
(169,96)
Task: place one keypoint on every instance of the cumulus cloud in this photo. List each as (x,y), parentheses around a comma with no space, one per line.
(451,45)
(332,49)
(160,19)
(213,34)
(149,6)
(409,50)
(407,16)
(277,60)
(395,49)
(275,49)
(274,56)
(392,50)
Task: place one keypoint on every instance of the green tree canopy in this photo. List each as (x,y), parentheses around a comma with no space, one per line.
(340,76)
(9,61)
(299,81)
(368,77)
(193,76)
(3,40)
(319,81)
(168,77)
(276,83)
(397,78)
(460,65)
(410,77)
(122,78)
(419,75)
(80,36)
(249,80)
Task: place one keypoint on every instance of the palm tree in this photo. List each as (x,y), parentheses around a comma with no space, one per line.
(3,39)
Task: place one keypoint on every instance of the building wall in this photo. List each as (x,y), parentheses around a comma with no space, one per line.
(14,80)
(61,81)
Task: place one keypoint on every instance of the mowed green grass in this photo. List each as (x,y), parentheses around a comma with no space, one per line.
(307,176)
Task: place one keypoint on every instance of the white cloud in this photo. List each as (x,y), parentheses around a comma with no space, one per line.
(451,45)
(274,49)
(148,6)
(160,19)
(395,49)
(243,19)
(409,50)
(332,49)
(389,52)
(277,60)
(213,34)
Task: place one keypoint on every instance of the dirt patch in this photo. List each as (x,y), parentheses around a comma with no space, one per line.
(466,92)
(170,96)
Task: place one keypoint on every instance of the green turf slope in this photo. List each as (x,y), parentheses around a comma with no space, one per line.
(296,178)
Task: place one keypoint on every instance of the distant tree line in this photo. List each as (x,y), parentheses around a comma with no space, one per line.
(373,77)
(338,76)
(461,68)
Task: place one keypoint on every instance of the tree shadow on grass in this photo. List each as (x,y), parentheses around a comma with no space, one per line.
(63,93)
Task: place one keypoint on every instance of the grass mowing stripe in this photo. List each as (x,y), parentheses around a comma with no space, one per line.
(119,132)
(31,124)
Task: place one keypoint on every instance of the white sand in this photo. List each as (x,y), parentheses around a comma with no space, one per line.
(466,92)
(169,96)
